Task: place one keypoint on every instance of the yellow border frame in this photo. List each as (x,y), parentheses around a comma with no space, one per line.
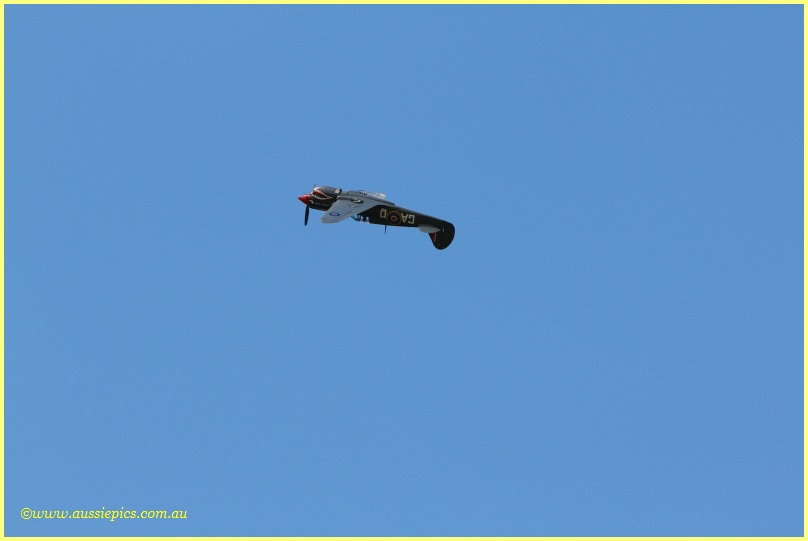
(438,2)
(454,2)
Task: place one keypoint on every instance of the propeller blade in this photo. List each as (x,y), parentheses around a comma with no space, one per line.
(306,216)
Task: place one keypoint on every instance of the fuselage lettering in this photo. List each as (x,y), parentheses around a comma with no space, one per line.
(405,218)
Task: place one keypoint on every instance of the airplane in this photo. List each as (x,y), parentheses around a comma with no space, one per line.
(373,207)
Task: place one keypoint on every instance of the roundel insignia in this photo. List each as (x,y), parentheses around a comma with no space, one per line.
(333,213)
(393,217)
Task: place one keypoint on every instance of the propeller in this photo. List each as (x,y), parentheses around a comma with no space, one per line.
(305,199)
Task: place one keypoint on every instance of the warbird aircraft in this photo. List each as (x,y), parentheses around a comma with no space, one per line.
(364,206)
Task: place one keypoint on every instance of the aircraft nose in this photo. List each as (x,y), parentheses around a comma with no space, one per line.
(304,199)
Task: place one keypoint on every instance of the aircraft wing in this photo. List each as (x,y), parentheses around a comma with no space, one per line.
(345,207)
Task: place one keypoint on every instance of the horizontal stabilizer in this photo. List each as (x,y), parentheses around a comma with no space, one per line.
(443,238)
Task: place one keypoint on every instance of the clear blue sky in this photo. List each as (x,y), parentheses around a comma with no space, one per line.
(611,346)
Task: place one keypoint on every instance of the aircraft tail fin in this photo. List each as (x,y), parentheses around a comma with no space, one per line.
(443,238)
